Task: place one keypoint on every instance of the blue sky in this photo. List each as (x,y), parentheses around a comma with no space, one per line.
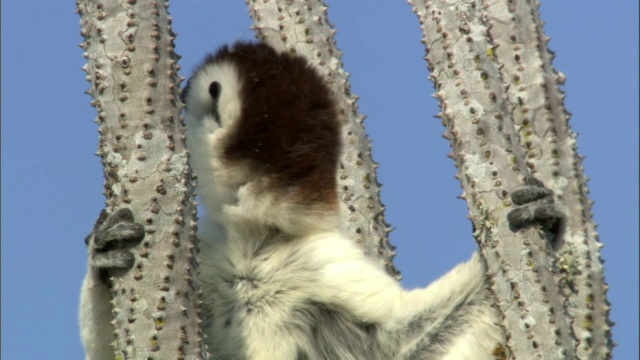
(52,181)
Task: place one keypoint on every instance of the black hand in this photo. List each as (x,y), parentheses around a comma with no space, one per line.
(110,239)
(535,206)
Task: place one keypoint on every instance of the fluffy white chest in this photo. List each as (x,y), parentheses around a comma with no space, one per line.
(258,290)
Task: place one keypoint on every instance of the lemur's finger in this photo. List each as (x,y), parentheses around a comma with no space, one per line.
(119,235)
(115,259)
(529,194)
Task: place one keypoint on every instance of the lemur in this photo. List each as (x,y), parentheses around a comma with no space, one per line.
(279,279)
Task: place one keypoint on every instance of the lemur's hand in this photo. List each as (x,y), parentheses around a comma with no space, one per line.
(111,239)
(534,206)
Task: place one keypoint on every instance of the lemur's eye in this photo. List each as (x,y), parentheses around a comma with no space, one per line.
(214,90)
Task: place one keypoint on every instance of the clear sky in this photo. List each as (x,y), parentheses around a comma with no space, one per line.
(52,181)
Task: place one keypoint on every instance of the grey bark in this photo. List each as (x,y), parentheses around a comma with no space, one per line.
(505,119)
(132,68)
(541,122)
(504,116)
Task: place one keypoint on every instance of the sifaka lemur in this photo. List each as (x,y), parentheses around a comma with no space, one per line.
(279,279)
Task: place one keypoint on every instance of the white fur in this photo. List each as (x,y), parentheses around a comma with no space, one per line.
(95,318)
(205,135)
(281,282)
(258,282)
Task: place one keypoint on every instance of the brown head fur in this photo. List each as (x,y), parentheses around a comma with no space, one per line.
(288,128)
